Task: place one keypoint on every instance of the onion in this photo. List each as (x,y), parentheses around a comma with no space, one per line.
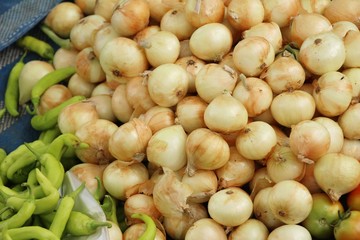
(129,17)
(337,174)
(230,206)
(352,75)
(63,17)
(225,114)
(159,7)
(120,176)
(103,106)
(260,180)
(30,74)
(168,84)
(268,30)
(158,117)
(65,58)
(290,201)
(53,96)
(309,140)
(103,88)
(323,52)
(347,122)
(176,227)
(283,164)
(332,93)
(290,232)
(140,203)
(175,21)
(142,35)
(205,150)
(347,10)
(170,194)
(280,11)
(351,42)
(98,150)
(105,8)
(120,104)
(122,57)
(88,172)
(102,36)
(81,33)
(218,40)
(237,172)
(114,231)
(88,66)
(309,180)
(314,6)
(206,228)
(284,74)
(136,230)
(262,209)
(290,108)
(161,47)
(129,141)
(251,229)
(190,113)
(336,133)
(341,28)
(351,148)
(87,6)
(254,93)
(243,15)
(137,93)
(79,86)
(203,183)
(166,148)
(306,24)
(199,13)
(252,55)
(192,65)
(213,79)
(72,117)
(256,134)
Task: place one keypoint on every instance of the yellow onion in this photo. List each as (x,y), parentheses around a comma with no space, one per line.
(352,75)
(158,117)
(205,150)
(339,10)
(88,66)
(290,232)
(260,181)
(340,28)
(53,96)
(348,120)
(105,8)
(314,6)
(336,133)
(252,55)
(101,36)
(225,114)
(145,33)
(253,135)
(351,42)
(337,174)
(103,106)
(332,93)
(65,58)
(129,141)
(254,93)
(120,104)
(251,228)
(280,11)
(309,180)
(175,21)
(137,93)
(136,230)
(199,13)
(309,140)
(206,228)
(192,65)
(87,6)
(351,148)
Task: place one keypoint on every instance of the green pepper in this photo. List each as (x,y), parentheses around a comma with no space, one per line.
(6,212)
(3,155)
(49,119)
(64,142)
(31,232)
(12,88)
(37,46)
(47,136)
(109,208)
(50,79)
(63,212)
(21,216)
(80,224)
(150,231)
(63,43)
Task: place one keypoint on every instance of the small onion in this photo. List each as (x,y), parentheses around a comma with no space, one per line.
(205,150)
(166,148)
(105,8)
(336,133)
(159,7)
(129,141)
(237,172)
(323,52)
(72,117)
(290,201)
(260,181)
(120,176)
(168,84)
(280,11)
(53,96)
(120,104)
(176,22)
(225,114)
(351,42)
(340,10)
(352,74)
(314,6)
(254,93)
(230,206)
(136,230)
(290,232)
(206,228)
(348,120)
(351,148)
(101,36)
(252,55)
(88,66)
(137,93)
(251,229)
(332,93)
(337,174)
(256,134)
(309,180)
(65,58)
(218,40)
(145,33)
(290,108)
(190,113)
(87,6)
(199,13)
(103,106)
(340,28)
(262,209)
(158,117)
(213,79)
(309,140)
(284,74)
(129,17)
(103,88)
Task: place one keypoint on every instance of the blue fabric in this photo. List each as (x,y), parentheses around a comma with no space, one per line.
(17,18)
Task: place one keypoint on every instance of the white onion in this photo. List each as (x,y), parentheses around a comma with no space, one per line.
(136,230)
(120,104)
(101,36)
(347,122)
(199,13)
(317,6)
(260,180)
(351,148)
(342,27)
(280,11)
(351,42)
(336,133)
(65,58)
(53,96)
(352,74)
(175,21)
(137,93)
(251,229)
(105,8)
(88,66)
(340,10)
(103,88)
(103,106)
(87,6)
(290,232)
(79,86)
(206,228)
(158,117)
